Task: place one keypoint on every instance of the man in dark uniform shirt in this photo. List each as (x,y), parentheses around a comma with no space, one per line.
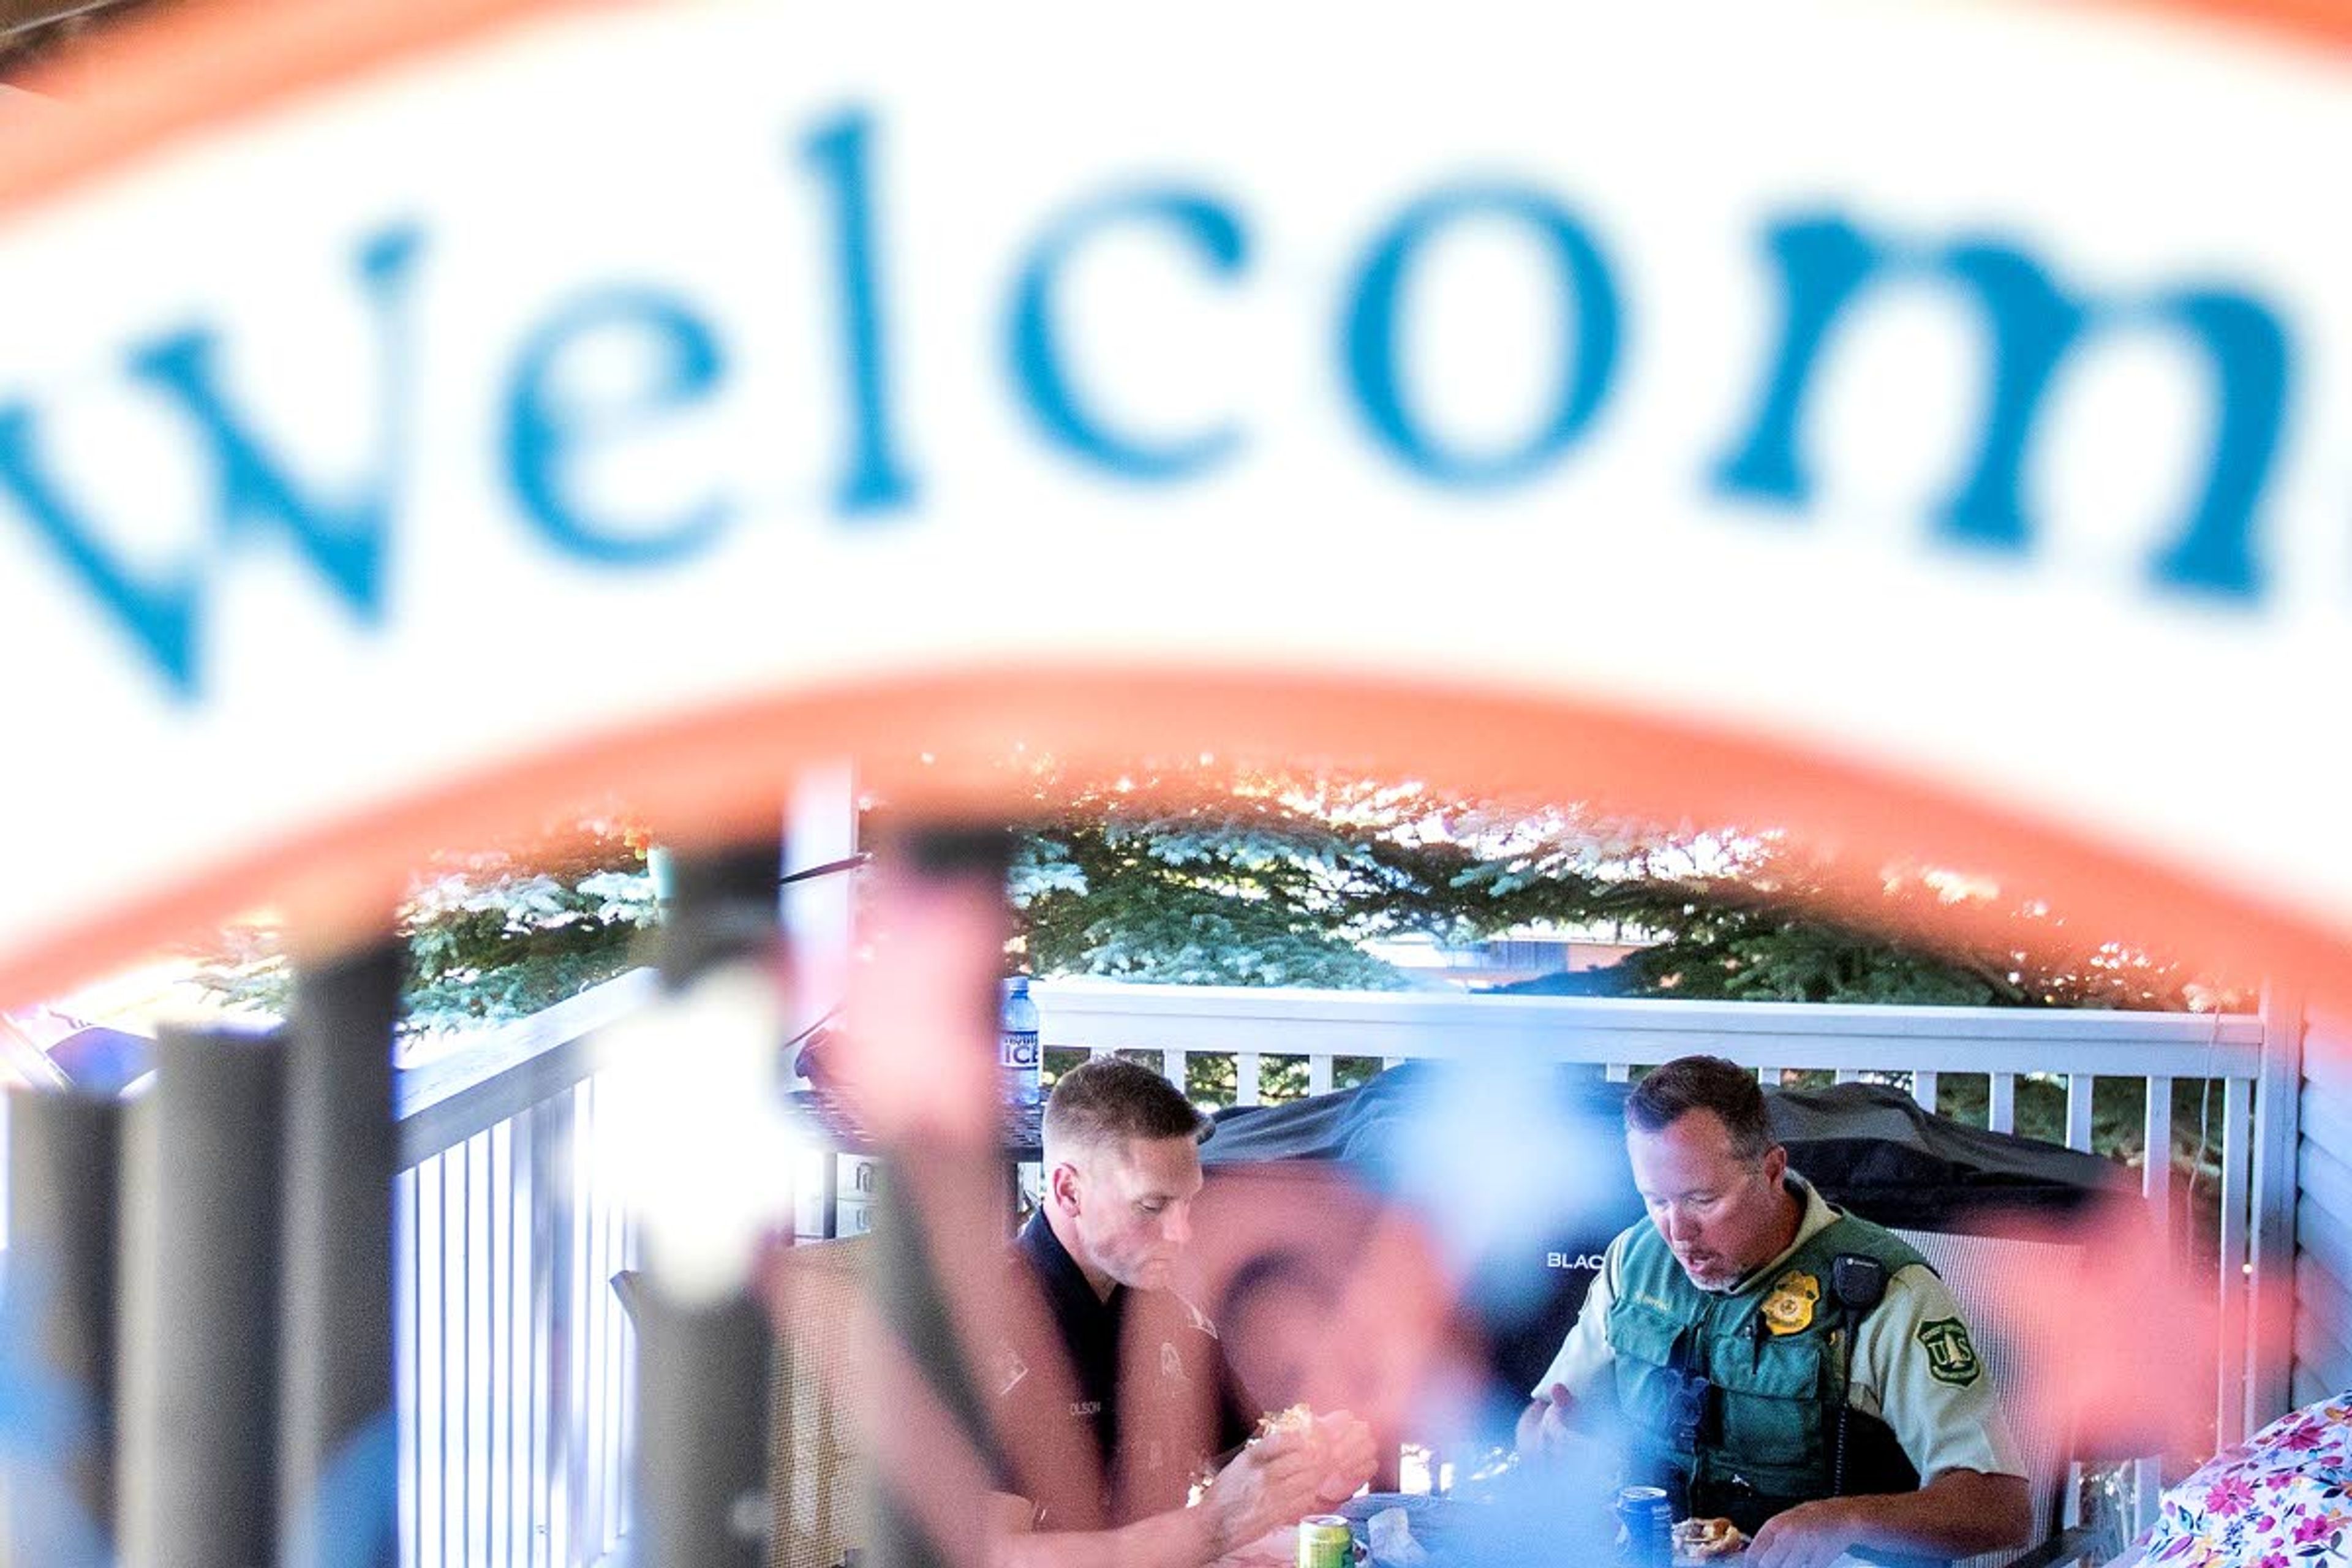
(1125,1373)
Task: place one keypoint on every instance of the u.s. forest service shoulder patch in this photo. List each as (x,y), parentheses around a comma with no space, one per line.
(1951,1358)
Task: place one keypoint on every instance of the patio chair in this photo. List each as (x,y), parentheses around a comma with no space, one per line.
(816,1478)
(1980,1271)
(816,1484)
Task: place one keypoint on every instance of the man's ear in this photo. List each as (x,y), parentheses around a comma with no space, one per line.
(1775,1163)
(1061,1186)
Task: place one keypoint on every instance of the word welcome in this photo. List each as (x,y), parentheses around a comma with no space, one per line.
(1823,264)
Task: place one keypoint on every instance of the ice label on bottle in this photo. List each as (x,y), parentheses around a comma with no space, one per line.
(1018,1058)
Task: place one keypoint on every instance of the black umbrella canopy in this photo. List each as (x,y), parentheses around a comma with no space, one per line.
(103,1060)
(1867,1147)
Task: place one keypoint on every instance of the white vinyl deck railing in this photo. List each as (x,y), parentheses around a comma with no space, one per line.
(2249,1066)
(516,1382)
(515,1366)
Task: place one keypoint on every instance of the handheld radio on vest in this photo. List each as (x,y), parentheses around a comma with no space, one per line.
(1859,1283)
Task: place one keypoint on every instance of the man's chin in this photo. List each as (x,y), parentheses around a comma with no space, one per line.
(1712,1277)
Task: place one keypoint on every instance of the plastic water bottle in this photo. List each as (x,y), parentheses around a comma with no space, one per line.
(1017,1054)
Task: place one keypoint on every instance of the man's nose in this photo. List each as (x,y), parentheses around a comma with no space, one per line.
(1680,1230)
(1177,1225)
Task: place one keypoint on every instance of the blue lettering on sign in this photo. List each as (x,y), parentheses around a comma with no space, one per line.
(253,493)
(547,432)
(1824,264)
(553,428)
(1213,233)
(1588,352)
(874,480)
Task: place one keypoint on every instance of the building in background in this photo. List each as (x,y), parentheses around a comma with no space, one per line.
(1531,956)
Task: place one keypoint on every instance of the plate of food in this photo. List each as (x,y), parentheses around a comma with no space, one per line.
(1402,1530)
(1699,1541)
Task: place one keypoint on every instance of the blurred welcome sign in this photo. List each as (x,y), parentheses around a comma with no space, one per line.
(1930,422)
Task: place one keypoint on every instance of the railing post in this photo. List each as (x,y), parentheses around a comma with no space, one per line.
(819,902)
(699,1457)
(2079,1087)
(211,1321)
(335,1417)
(818,914)
(2156,1161)
(63,1161)
(2230,1413)
(2278,1095)
(555,1322)
(2156,1190)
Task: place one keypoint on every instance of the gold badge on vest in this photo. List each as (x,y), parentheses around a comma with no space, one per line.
(1788,1307)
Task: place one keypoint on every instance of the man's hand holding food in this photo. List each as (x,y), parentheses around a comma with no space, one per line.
(1298,1464)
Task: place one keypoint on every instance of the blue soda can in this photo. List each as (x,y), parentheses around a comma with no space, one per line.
(1645,1523)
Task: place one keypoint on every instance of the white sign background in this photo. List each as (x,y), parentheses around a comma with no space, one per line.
(544,156)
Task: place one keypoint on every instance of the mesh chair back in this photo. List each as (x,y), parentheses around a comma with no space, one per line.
(1992,1278)
(817,1478)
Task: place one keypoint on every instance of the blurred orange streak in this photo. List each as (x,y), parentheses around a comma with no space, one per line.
(2325,22)
(960,1206)
(1326,1296)
(2131,1355)
(920,1451)
(918,1071)
(919,1063)
(195,65)
(710,774)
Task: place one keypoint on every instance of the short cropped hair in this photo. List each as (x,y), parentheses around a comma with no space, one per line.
(1107,1098)
(1673,1091)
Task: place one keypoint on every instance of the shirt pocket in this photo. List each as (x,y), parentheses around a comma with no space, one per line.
(1641,1344)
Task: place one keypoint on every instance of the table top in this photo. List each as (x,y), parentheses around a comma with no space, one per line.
(1279,1548)
(1020,1137)
(1275,1549)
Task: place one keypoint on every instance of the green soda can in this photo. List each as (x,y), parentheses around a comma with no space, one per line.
(1323,1542)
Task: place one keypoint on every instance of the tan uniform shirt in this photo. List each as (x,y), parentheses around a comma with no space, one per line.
(1904,1360)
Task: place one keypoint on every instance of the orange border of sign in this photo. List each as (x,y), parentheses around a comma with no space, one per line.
(141,91)
(940,743)
(718,770)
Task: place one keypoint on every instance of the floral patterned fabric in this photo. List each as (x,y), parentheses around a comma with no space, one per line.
(2277,1500)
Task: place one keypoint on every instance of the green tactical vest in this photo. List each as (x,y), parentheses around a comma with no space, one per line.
(1730,1400)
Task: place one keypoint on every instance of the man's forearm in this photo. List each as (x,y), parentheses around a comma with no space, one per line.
(1959,1514)
(1181,1538)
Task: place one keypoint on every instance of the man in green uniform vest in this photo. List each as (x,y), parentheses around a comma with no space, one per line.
(1777,1362)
